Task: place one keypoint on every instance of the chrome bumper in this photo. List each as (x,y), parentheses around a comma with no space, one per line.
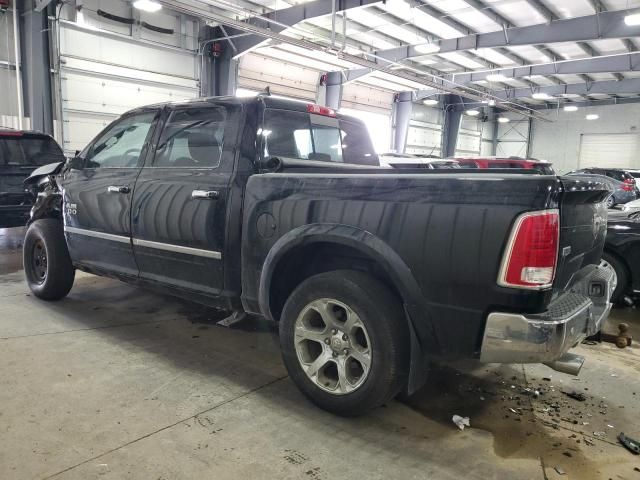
(546,337)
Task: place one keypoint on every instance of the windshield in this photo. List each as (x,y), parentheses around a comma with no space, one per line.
(29,151)
(303,136)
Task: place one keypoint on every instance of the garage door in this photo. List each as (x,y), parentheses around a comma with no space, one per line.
(103,75)
(610,150)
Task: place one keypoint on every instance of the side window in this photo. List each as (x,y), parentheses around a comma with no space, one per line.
(328,144)
(356,144)
(192,138)
(122,143)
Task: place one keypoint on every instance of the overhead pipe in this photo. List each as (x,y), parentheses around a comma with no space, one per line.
(16,48)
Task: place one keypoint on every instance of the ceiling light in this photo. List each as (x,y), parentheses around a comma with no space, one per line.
(632,20)
(427,48)
(592,116)
(496,77)
(147,5)
(430,102)
(540,96)
(570,108)
(473,112)
(503,120)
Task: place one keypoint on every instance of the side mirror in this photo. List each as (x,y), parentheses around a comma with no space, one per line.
(75,163)
(271,164)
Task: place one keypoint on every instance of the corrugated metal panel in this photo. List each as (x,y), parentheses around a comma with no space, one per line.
(608,150)
(102,76)
(360,97)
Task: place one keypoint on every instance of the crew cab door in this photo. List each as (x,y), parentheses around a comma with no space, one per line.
(180,200)
(97,195)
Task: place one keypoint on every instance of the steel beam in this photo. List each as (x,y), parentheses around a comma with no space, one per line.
(279,20)
(588,103)
(330,90)
(610,87)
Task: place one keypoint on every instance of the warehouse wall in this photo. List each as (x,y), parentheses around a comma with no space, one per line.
(559,141)
(8,99)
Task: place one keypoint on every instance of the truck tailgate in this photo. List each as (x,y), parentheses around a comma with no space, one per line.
(583,228)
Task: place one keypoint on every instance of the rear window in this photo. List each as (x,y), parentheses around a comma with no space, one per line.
(303,136)
(29,151)
(634,174)
(545,169)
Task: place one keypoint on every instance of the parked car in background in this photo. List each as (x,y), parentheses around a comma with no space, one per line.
(633,206)
(622,251)
(623,187)
(406,160)
(636,176)
(542,166)
(20,153)
(280,208)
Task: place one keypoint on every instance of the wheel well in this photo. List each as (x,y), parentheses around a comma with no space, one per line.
(311,259)
(622,261)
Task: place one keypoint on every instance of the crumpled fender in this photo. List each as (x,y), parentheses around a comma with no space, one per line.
(43,171)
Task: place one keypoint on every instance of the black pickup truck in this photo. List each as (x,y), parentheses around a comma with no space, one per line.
(279,208)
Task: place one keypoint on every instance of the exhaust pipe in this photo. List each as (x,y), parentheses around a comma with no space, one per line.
(568,363)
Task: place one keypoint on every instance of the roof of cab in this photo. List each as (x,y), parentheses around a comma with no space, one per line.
(269,101)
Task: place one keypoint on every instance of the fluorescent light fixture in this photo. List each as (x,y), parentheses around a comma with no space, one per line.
(430,102)
(473,112)
(540,96)
(496,77)
(592,116)
(427,48)
(570,108)
(632,20)
(147,5)
(503,120)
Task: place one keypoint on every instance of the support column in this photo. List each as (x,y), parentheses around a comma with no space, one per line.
(330,90)
(36,68)
(401,116)
(452,119)
(219,73)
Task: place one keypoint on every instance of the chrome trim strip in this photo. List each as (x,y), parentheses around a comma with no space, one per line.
(177,248)
(93,233)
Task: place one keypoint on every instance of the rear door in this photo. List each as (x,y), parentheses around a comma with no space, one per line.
(97,196)
(180,201)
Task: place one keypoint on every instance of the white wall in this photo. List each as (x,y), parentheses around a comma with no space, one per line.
(559,141)
(8,98)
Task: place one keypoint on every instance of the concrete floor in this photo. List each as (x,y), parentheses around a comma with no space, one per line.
(115,382)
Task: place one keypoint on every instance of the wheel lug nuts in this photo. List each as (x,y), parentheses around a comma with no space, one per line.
(334,331)
(327,341)
(335,354)
(345,351)
(344,337)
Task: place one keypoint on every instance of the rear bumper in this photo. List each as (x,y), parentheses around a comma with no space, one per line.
(546,337)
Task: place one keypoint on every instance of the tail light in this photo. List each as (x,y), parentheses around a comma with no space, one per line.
(320,110)
(628,185)
(531,255)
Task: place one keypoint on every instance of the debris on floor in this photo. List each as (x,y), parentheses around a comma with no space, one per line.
(581,397)
(630,444)
(461,422)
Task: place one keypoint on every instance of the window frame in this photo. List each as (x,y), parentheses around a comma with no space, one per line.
(162,125)
(145,146)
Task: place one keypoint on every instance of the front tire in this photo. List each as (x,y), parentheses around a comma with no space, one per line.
(344,341)
(47,265)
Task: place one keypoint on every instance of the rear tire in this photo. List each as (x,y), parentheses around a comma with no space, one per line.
(344,341)
(47,265)
(621,274)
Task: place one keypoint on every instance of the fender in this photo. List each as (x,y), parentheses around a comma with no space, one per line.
(45,188)
(374,248)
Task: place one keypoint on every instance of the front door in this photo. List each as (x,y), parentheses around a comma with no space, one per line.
(180,201)
(97,195)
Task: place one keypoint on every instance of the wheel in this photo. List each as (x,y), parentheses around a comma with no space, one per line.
(344,341)
(611,202)
(621,276)
(47,265)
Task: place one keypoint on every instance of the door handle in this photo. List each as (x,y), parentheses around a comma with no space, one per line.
(205,194)
(118,189)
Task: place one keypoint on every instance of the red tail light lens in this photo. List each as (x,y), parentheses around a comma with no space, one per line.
(320,110)
(628,185)
(530,259)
